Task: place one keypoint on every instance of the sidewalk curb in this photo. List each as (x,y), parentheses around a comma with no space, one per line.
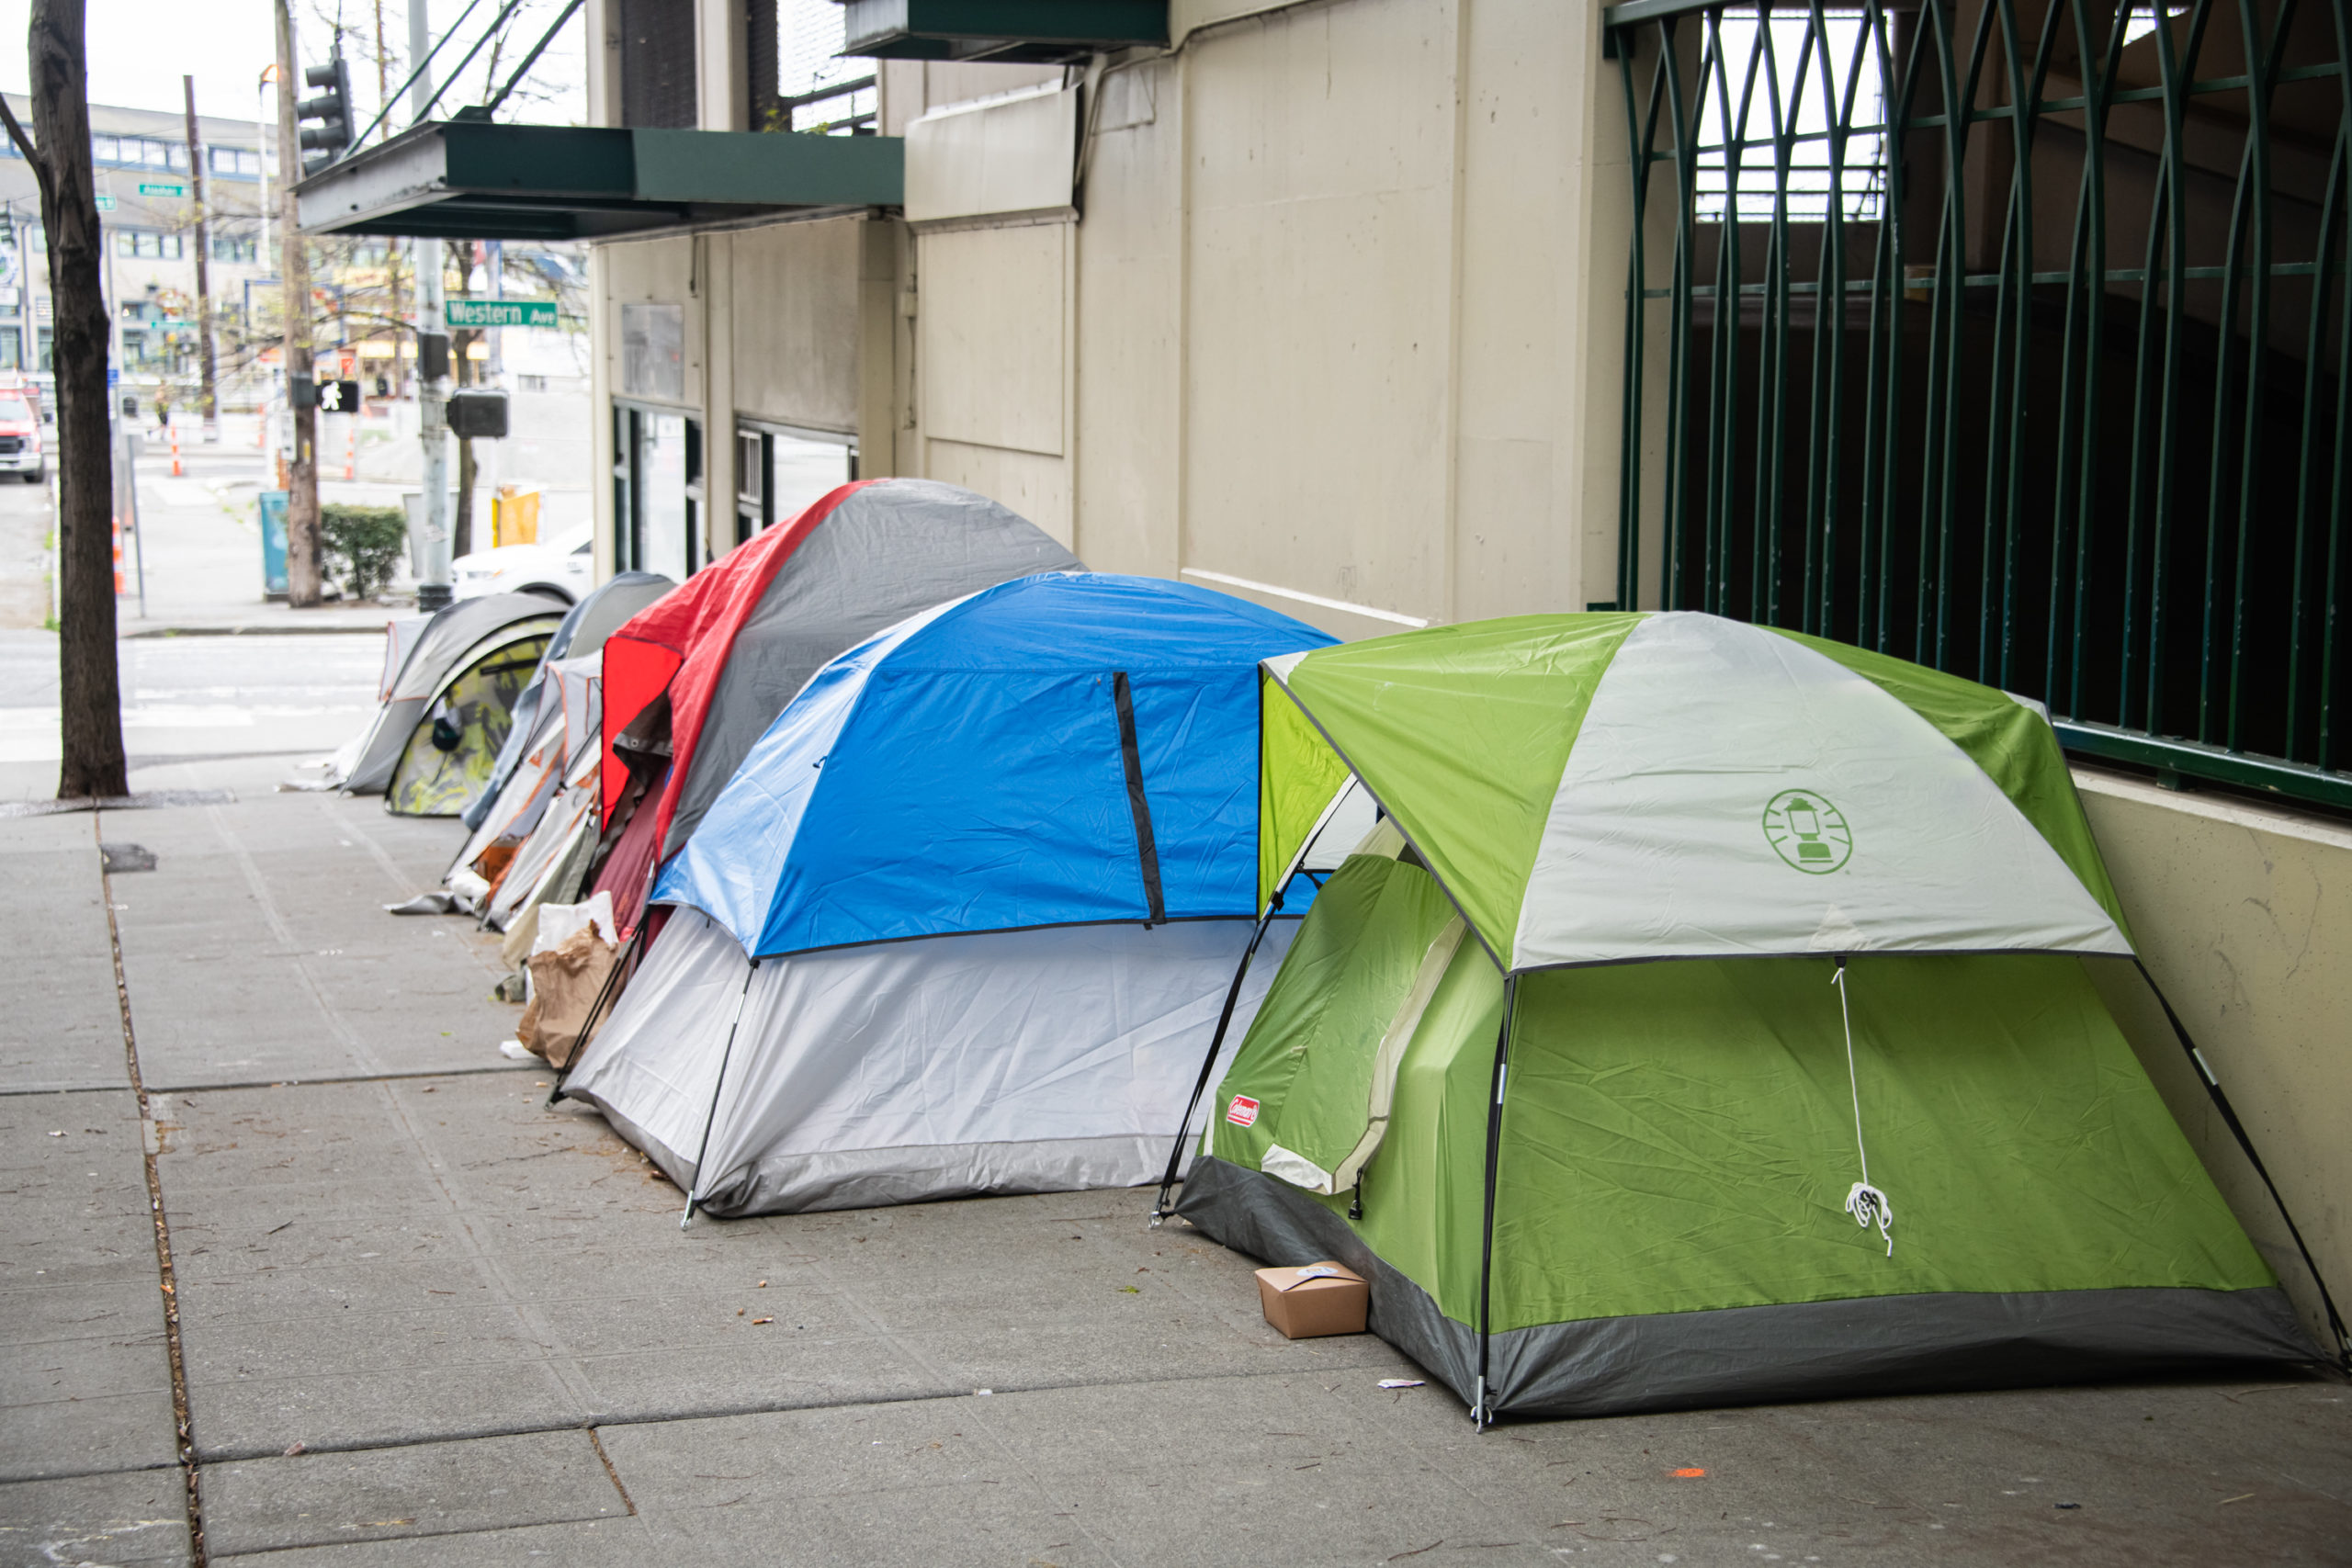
(338,629)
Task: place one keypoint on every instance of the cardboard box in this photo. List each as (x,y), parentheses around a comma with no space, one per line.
(1316,1300)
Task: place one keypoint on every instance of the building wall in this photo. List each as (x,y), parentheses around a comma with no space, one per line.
(1312,329)
(2242,913)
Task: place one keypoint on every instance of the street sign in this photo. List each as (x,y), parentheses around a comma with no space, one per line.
(338,397)
(106,202)
(162,187)
(501,312)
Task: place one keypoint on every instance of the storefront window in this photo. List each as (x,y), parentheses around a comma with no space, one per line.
(657,491)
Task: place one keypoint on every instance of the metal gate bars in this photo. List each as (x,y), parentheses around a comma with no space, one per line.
(2012,336)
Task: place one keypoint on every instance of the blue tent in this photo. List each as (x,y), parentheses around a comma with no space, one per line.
(1054,779)
(1061,749)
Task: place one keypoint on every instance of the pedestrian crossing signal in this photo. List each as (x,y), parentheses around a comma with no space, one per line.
(338,397)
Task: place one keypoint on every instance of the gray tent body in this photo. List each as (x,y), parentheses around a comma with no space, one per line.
(886,551)
(441,649)
(584,631)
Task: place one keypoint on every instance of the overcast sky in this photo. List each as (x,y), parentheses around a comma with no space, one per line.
(139,49)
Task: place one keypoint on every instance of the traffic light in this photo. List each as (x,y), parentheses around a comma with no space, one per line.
(331,137)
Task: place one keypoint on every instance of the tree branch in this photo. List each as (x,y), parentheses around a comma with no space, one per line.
(32,154)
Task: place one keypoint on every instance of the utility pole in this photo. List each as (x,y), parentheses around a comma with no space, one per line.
(89,679)
(432,360)
(461,344)
(302,470)
(392,247)
(205,402)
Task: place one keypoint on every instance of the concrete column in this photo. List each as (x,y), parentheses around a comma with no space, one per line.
(722,85)
(604,342)
(715,277)
(603,31)
(881,411)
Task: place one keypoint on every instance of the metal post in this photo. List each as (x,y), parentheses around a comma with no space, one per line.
(208,398)
(432,590)
(130,445)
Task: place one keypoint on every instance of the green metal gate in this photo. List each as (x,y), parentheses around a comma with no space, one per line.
(2013,338)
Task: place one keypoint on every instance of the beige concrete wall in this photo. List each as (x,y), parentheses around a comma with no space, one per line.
(2242,913)
(1128,357)
(1325,336)
(796,292)
(994,367)
(1319,302)
(912,87)
(662,272)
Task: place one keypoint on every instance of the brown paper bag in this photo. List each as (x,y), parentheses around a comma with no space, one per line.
(565,982)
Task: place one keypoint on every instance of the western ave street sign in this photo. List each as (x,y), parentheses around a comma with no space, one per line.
(501,312)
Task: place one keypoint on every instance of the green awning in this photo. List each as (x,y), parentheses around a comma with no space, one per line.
(1034,31)
(480,179)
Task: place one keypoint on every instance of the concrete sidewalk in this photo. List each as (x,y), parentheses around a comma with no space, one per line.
(424,1319)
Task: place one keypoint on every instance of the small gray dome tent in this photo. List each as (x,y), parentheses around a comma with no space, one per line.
(448,709)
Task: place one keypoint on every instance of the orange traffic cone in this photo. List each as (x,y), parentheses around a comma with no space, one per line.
(350,447)
(176,449)
(117,557)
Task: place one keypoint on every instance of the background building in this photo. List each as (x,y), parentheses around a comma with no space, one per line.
(146,196)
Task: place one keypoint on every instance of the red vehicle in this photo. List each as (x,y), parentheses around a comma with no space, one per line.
(20,447)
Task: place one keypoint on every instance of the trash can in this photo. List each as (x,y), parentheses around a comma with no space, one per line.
(514,516)
(273,543)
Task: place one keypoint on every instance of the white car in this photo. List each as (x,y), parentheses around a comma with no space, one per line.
(563,566)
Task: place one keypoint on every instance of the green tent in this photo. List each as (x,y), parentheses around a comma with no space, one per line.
(1706,1022)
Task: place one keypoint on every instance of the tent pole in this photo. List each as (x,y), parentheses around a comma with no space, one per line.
(596,1009)
(725,1056)
(1208,1063)
(2246,1141)
(1480,1416)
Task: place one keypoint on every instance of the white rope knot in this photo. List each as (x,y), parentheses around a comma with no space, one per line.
(1869,1206)
(1865,1203)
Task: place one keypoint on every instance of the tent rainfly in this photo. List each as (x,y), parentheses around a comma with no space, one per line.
(695,678)
(534,765)
(1708,1021)
(530,846)
(448,702)
(583,631)
(1050,784)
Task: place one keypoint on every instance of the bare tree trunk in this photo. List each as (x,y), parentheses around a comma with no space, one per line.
(89,689)
(205,408)
(302,472)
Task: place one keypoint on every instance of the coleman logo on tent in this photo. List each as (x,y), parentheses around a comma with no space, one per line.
(1808,831)
(1243,1111)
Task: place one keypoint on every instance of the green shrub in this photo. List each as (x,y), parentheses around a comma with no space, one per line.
(362,545)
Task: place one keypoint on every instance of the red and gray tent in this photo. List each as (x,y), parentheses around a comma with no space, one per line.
(727,650)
